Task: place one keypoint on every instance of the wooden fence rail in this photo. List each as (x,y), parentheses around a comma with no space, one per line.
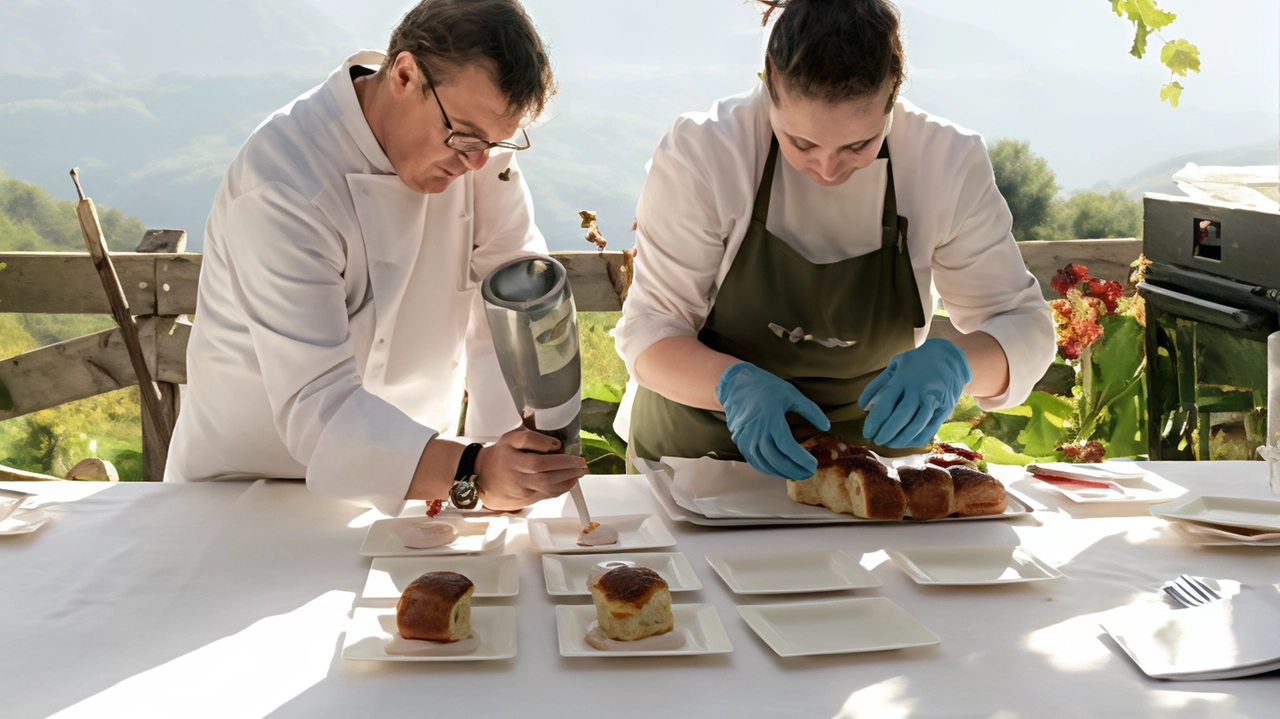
(161,289)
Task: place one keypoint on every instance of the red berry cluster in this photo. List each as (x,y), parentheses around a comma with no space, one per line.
(1085,300)
(1085,452)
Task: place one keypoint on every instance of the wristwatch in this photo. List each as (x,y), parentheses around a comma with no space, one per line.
(464,494)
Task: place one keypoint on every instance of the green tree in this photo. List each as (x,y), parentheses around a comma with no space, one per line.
(32,220)
(1094,216)
(1028,185)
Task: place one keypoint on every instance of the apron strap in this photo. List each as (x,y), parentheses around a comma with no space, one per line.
(765,190)
(894,227)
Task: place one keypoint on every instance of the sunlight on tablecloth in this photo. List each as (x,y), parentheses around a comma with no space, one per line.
(1073,645)
(248,674)
(886,700)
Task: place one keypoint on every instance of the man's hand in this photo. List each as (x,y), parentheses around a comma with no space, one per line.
(516,471)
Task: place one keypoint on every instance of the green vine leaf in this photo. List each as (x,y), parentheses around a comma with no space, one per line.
(1180,56)
(1140,40)
(1171,92)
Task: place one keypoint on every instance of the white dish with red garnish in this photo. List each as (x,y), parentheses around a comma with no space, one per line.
(1104,482)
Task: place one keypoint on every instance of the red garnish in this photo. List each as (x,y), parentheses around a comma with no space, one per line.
(958,449)
(947,460)
(434,508)
(1063,481)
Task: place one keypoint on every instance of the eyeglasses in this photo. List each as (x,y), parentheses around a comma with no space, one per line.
(462,142)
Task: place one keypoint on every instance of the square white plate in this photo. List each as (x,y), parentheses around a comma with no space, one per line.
(24,521)
(635,531)
(371,629)
(1002,564)
(474,535)
(843,626)
(1127,486)
(820,570)
(10,500)
(494,575)
(704,634)
(1244,512)
(566,575)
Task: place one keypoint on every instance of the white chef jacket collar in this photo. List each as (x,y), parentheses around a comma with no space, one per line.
(353,119)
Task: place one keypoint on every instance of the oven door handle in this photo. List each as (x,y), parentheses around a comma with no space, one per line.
(1202,310)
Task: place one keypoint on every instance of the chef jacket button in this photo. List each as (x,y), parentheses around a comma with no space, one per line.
(382,340)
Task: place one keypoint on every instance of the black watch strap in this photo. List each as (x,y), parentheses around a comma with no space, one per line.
(463,494)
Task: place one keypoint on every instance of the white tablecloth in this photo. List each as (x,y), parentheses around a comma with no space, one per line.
(230,600)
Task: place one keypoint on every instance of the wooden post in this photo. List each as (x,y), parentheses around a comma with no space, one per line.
(161,241)
(157,411)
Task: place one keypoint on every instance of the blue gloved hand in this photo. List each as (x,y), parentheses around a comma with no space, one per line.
(756,403)
(915,394)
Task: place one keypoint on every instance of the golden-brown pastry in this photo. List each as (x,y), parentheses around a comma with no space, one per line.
(827,448)
(977,493)
(632,603)
(860,486)
(436,607)
(930,492)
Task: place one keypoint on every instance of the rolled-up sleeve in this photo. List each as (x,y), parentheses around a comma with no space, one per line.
(286,263)
(985,285)
(681,230)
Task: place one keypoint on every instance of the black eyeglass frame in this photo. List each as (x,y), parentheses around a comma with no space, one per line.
(481,144)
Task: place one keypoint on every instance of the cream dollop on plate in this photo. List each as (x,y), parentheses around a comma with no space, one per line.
(427,535)
(597,535)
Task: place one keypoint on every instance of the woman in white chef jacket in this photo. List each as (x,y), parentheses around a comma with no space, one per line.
(791,246)
(338,306)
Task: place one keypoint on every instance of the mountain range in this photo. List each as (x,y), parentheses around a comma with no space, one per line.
(152,99)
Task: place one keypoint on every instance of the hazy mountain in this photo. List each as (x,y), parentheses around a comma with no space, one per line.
(1157,178)
(152,98)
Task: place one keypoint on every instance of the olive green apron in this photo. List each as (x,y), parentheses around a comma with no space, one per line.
(871,301)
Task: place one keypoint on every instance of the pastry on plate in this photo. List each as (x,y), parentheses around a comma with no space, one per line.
(632,603)
(436,607)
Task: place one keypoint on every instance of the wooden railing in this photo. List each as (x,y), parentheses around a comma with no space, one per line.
(161,289)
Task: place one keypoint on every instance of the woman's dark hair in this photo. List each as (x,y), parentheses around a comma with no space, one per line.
(445,35)
(834,50)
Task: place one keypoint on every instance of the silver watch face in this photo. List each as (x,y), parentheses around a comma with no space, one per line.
(463,493)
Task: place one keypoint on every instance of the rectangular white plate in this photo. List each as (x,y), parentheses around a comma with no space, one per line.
(371,628)
(704,634)
(635,531)
(661,484)
(10,500)
(843,626)
(24,521)
(1147,487)
(494,575)
(1004,564)
(819,570)
(566,575)
(1244,512)
(474,535)
(1205,536)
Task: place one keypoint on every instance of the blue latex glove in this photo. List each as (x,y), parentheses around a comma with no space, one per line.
(915,394)
(756,403)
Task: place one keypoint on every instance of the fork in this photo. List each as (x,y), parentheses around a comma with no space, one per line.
(1190,592)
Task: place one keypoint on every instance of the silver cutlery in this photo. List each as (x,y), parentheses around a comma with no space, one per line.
(1190,592)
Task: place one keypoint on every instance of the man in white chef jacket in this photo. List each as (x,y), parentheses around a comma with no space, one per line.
(339,314)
